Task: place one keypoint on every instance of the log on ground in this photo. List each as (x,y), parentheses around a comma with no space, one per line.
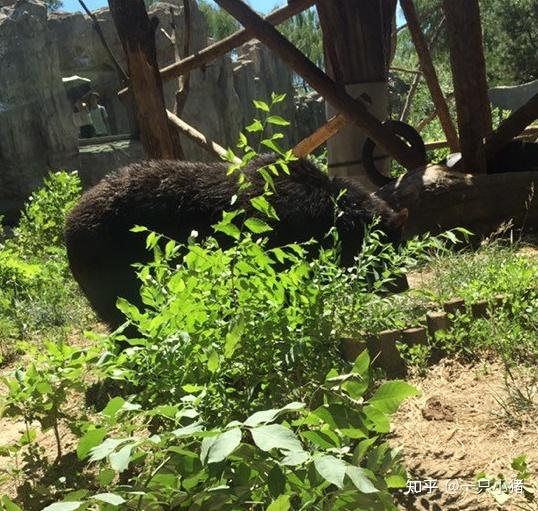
(439,199)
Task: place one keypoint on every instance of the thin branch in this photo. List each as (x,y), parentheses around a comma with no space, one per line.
(185,79)
(123,75)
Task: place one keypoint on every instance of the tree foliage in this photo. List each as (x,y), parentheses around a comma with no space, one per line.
(304,31)
(220,23)
(510,31)
(54,5)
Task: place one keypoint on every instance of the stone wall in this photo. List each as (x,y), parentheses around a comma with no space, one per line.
(36,129)
(37,133)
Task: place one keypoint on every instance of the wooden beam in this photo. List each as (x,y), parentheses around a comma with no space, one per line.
(137,34)
(404,70)
(429,118)
(531,131)
(220,48)
(470,84)
(426,64)
(335,94)
(406,110)
(199,138)
(320,136)
(512,126)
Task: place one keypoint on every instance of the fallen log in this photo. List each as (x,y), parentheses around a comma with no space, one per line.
(439,199)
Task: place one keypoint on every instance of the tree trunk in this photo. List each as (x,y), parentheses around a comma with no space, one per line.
(470,84)
(137,35)
(357,43)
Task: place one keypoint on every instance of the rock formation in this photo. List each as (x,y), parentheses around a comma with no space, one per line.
(37,133)
(36,128)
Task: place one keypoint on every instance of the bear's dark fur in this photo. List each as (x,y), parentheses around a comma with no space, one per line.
(174,198)
(517,156)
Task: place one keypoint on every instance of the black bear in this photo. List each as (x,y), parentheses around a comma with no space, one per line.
(176,197)
(516,156)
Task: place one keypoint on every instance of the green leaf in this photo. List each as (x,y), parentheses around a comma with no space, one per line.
(362,364)
(257,226)
(261,105)
(280,504)
(63,506)
(113,406)
(106,476)
(276,481)
(319,439)
(89,440)
(106,448)
(129,310)
(119,461)
(390,396)
(223,445)
(395,481)
(109,498)
(355,389)
(360,479)
(230,155)
(379,420)
(294,458)
(272,145)
(255,127)
(28,437)
(362,449)
(277,98)
(44,388)
(277,120)
(188,430)
(267,416)
(263,205)
(331,469)
(213,362)
(276,436)
(9,505)
(233,338)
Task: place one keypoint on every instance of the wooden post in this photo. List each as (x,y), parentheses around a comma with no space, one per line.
(357,44)
(220,48)
(335,94)
(137,35)
(426,64)
(470,84)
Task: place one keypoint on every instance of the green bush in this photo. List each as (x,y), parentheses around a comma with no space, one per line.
(36,291)
(40,229)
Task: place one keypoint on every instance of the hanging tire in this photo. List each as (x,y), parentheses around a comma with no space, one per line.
(402,130)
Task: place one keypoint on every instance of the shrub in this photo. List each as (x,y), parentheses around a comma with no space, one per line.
(40,229)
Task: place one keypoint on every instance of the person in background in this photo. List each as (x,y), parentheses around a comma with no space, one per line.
(99,116)
(83,119)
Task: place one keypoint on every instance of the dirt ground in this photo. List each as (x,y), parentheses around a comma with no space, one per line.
(465,423)
(462,424)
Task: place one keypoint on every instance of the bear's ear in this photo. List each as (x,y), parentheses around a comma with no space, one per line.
(401,218)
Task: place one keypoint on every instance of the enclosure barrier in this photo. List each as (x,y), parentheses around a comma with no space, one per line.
(383,346)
